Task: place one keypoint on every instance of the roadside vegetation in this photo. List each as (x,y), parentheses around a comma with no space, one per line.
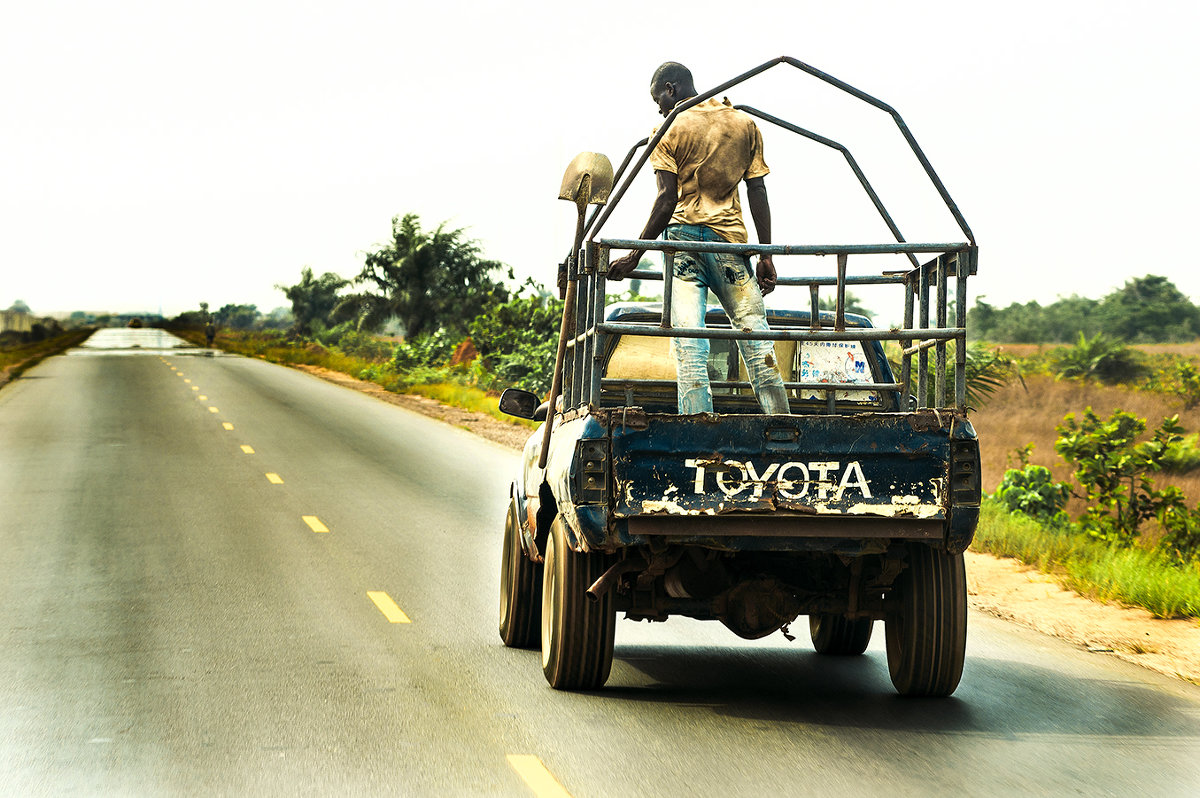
(1092,447)
(18,355)
(1088,414)
(1130,575)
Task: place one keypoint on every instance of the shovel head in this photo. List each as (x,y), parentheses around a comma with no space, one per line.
(588,179)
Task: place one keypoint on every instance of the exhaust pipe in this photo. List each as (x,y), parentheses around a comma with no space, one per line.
(615,572)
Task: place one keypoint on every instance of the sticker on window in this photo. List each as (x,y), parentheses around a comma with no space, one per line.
(835,361)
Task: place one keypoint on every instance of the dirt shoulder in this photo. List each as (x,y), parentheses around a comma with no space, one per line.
(1002,587)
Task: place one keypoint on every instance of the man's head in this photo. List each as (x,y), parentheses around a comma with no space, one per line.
(671,84)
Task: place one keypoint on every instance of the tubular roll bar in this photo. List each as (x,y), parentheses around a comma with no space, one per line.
(597,221)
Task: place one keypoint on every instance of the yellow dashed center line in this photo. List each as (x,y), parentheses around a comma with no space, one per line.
(247,449)
(225,424)
(274,479)
(202,398)
(213,410)
(314,523)
(195,387)
(535,774)
(388,607)
(188,381)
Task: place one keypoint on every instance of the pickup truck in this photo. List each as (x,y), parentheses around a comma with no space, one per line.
(854,507)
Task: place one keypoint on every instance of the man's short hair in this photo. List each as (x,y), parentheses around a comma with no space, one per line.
(672,72)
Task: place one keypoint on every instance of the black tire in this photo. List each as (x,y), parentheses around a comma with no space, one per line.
(839,636)
(577,633)
(520,589)
(927,628)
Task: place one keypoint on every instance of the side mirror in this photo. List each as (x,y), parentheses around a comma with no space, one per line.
(522,404)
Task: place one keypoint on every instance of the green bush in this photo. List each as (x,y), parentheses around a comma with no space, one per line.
(987,369)
(518,341)
(1176,376)
(1181,532)
(430,350)
(365,346)
(1114,470)
(1033,491)
(1183,455)
(1106,359)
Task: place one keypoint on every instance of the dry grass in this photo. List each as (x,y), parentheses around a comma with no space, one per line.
(1018,414)
(1190,349)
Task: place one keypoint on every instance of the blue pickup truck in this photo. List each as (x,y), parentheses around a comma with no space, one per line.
(853,507)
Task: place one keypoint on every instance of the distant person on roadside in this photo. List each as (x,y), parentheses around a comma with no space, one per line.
(210,332)
(699,164)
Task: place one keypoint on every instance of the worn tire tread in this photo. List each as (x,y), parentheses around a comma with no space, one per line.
(927,635)
(839,636)
(582,657)
(521,627)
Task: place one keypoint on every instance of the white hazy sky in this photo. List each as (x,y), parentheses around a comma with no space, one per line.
(158,154)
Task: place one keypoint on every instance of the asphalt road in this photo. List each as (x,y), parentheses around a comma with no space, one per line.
(176,620)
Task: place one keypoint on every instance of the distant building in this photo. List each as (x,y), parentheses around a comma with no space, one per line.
(16,321)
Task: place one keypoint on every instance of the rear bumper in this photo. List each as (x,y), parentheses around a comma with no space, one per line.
(732,526)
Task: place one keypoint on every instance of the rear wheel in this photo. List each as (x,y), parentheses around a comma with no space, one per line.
(927,629)
(577,633)
(839,636)
(520,589)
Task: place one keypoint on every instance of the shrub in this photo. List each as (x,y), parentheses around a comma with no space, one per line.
(425,350)
(518,341)
(364,346)
(1176,376)
(1182,456)
(1101,357)
(1033,491)
(987,370)
(1114,471)
(1181,528)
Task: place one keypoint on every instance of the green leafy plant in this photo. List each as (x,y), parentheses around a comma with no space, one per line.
(1020,455)
(1176,376)
(518,340)
(424,350)
(1033,491)
(1114,470)
(1100,357)
(987,370)
(1183,455)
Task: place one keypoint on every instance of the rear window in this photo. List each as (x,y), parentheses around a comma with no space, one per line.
(646,368)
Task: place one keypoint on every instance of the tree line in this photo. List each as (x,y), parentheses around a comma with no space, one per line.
(1146,309)
(430,287)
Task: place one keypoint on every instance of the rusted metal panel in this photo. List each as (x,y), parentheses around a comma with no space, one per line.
(880,465)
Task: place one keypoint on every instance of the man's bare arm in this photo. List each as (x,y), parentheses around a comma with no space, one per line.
(760,211)
(660,217)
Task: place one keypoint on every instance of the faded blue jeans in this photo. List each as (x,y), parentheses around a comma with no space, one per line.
(730,278)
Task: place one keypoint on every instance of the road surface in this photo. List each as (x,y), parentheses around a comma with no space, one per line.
(220,576)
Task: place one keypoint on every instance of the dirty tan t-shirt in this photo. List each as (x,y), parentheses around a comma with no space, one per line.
(711,147)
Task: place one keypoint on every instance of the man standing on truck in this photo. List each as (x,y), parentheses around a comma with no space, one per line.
(700,162)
